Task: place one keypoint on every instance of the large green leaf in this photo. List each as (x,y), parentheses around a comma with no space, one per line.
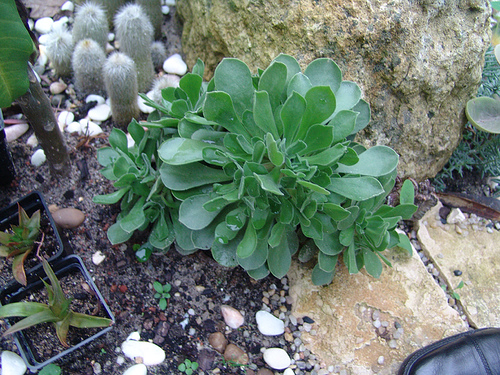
(484,114)
(263,114)
(320,104)
(292,65)
(279,259)
(320,277)
(193,215)
(16,47)
(219,108)
(273,81)
(347,95)
(291,115)
(324,72)
(178,151)
(187,176)
(376,161)
(372,262)
(300,84)
(234,77)
(356,188)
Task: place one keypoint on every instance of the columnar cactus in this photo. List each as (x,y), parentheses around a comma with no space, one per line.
(110,6)
(153,10)
(88,60)
(59,50)
(91,23)
(120,78)
(135,35)
(158,54)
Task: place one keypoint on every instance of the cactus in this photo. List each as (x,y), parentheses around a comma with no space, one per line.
(88,60)
(135,35)
(158,54)
(120,78)
(91,23)
(162,82)
(110,6)
(153,10)
(59,50)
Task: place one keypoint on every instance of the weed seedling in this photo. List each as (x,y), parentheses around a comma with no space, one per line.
(162,294)
(187,367)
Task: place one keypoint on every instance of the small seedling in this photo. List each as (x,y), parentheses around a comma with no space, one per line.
(19,241)
(453,293)
(162,294)
(188,367)
(51,369)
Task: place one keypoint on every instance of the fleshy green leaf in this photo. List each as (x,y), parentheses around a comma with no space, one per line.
(372,262)
(347,95)
(248,243)
(135,218)
(318,137)
(187,176)
(117,235)
(343,124)
(263,114)
(324,72)
(110,198)
(300,84)
(291,115)
(376,161)
(279,259)
(320,104)
(292,65)
(326,262)
(356,188)
(484,114)
(320,277)
(193,215)
(219,108)
(177,151)
(273,81)
(407,193)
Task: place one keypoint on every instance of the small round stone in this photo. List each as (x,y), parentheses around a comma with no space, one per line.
(68,217)
(218,341)
(15,131)
(68,5)
(138,369)
(232,317)
(268,324)
(38,158)
(57,87)
(44,25)
(175,65)
(12,364)
(100,112)
(143,107)
(236,355)
(457,273)
(277,358)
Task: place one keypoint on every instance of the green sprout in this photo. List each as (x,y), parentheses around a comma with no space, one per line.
(57,311)
(453,293)
(51,369)
(162,294)
(19,241)
(188,367)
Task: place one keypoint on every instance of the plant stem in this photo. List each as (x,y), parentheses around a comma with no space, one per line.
(37,109)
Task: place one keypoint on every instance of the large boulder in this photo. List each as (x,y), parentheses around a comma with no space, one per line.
(418,62)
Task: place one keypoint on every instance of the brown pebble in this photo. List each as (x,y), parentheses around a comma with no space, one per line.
(218,341)
(122,288)
(68,217)
(235,355)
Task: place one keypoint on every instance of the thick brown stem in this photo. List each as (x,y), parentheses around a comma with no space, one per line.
(37,109)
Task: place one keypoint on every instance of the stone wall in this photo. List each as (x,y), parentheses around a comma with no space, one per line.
(418,62)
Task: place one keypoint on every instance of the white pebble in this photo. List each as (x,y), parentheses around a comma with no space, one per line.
(169,2)
(380,360)
(12,364)
(455,216)
(277,358)
(38,158)
(43,39)
(95,98)
(288,371)
(89,128)
(165,9)
(142,104)
(100,112)
(74,127)
(130,141)
(60,23)
(175,65)
(68,5)
(44,25)
(232,317)
(32,140)
(64,119)
(268,324)
(111,37)
(98,257)
(15,131)
(151,354)
(57,87)
(138,369)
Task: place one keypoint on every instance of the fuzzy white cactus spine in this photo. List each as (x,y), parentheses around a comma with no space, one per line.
(91,23)
(153,10)
(158,54)
(110,6)
(59,50)
(88,60)
(120,78)
(135,35)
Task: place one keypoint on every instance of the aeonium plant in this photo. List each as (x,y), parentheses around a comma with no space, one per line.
(264,166)
(19,242)
(57,311)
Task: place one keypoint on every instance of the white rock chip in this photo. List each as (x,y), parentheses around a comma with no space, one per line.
(277,358)
(60,23)
(138,369)
(268,324)
(12,364)
(32,140)
(68,5)
(38,158)
(42,58)
(43,39)
(64,119)
(151,354)
(44,25)
(98,257)
(165,9)
(89,128)
(95,98)
(169,2)
(74,127)
(175,65)
(100,112)
(57,87)
(130,141)
(15,131)
(142,104)
(455,216)
(232,317)
(288,371)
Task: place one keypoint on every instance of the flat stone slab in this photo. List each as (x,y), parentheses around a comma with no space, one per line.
(476,253)
(364,325)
